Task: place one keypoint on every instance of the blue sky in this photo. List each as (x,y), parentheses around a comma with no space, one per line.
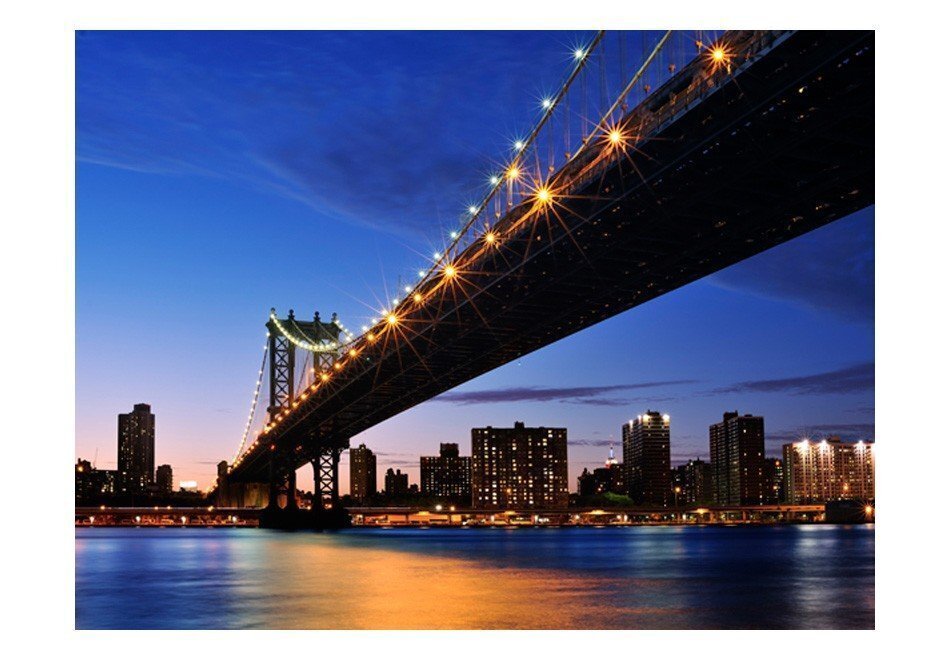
(221,174)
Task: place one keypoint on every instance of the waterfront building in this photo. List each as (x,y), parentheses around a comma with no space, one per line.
(163,479)
(362,473)
(519,467)
(92,483)
(773,473)
(447,475)
(829,469)
(694,481)
(136,449)
(397,483)
(646,458)
(737,455)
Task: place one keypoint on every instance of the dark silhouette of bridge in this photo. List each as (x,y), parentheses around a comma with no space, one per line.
(761,137)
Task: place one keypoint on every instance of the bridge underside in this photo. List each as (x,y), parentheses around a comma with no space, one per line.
(784,145)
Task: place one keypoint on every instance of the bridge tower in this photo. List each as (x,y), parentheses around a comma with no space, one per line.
(322,340)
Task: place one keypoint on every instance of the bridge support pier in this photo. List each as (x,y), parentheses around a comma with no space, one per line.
(326,510)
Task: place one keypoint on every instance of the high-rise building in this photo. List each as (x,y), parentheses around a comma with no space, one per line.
(447,475)
(136,449)
(397,483)
(737,454)
(646,458)
(774,475)
(362,473)
(819,472)
(163,478)
(694,480)
(520,467)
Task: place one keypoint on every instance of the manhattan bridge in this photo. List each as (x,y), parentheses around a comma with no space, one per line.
(663,157)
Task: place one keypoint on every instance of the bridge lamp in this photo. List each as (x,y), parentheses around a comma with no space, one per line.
(546,103)
(436,255)
(473,209)
(544,196)
(615,137)
(579,53)
(718,54)
(352,353)
(494,180)
(513,173)
(422,274)
(337,366)
(519,145)
(392,319)
(371,337)
(490,238)
(407,289)
(453,235)
(450,271)
(417,298)
(324,377)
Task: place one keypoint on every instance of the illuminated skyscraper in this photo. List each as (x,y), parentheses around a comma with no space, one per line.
(819,472)
(646,458)
(737,454)
(136,449)
(520,467)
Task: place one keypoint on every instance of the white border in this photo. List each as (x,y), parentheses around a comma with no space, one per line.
(37,264)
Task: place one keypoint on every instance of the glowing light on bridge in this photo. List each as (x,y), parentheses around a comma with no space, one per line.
(494,180)
(519,145)
(473,210)
(546,103)
(392,319)
(513,173)
(490,237)
(450,271)
(417,298)
(579,53)
(719,56)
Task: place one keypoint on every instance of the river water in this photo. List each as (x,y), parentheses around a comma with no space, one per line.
(795,576)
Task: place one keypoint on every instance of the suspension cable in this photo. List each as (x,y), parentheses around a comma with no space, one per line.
(257,394)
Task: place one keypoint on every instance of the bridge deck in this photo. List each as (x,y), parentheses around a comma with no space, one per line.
(728,167)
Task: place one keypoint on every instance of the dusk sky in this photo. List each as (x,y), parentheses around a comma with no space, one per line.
(221,174)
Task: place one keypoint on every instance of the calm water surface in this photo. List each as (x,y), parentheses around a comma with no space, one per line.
(819,576)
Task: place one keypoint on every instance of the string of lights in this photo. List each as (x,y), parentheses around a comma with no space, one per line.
(254,400)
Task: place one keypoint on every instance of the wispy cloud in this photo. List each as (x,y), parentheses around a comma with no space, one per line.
(587,442)
(855,378)
(369,128)
(584,395)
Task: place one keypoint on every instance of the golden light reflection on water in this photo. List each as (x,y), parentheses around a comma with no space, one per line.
(319,585)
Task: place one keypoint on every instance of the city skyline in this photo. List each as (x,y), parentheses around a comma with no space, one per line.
(788,334)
